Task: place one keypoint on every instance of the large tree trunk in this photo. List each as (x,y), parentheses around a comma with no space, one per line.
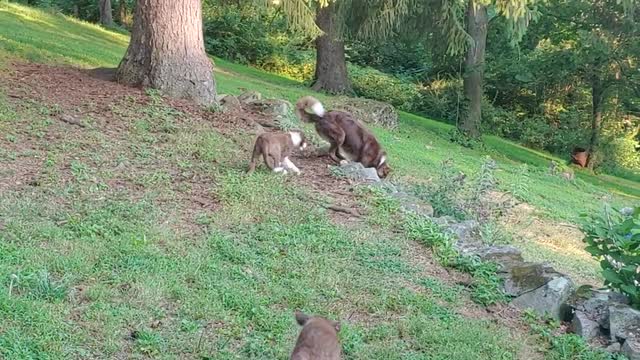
(597,104)
(331,65)
(166,51)
(106,16)
(477,21)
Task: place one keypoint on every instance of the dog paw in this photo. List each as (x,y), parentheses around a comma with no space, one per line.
(344,162)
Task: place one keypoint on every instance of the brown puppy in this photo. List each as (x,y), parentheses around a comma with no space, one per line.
(318,339)
(348,138)
(276,149)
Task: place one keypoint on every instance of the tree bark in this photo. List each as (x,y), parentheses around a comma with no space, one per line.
(477,21)
(597,104)
(331,65)
(166,51)
(106,15)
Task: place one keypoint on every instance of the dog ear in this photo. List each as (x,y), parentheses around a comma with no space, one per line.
(301,318)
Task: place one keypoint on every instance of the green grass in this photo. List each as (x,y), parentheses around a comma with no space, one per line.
(91,268)
(94,273)
(41,37)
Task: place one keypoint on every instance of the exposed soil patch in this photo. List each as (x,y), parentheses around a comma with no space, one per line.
(88,104)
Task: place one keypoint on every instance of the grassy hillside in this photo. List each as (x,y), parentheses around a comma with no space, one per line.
(138,235)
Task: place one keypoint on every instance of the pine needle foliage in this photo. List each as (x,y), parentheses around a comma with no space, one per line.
(300,14)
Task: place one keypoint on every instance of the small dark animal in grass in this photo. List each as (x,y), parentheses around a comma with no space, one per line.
(349,139)
(318,339)
(276,148)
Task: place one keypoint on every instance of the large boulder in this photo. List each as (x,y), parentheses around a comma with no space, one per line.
(624,322)
(367,111)
(594,303)
(582,326)
(631,348)
(525,277)
(549,298)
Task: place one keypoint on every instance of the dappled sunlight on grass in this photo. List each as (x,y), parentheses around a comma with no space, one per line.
(40,36)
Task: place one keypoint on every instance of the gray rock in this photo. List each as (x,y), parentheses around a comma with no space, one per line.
(273,107)
(631,348)
(219,97)
(444,221)
(505,256)
(626,211)
(249,97)
(614,347)
(413,204)
(230,102)
(357,171)
(549,298)
(595,303)
(624,322)
(582,326)
(525,277)
(467,231)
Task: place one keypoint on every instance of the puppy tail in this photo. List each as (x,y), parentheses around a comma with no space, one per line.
(309,102)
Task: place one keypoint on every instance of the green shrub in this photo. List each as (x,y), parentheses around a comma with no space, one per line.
(399,56)
(250,34)
(487,285)
(499,121)
(614,239)
(619,154)
(440,99)
(298,65)
(536,132)
(239,34)
(373,84)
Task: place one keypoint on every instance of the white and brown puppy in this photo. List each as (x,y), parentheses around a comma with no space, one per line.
(318,339)
(349,139)
(276,148)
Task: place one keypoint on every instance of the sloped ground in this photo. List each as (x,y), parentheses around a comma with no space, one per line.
(417,149)
(130,230)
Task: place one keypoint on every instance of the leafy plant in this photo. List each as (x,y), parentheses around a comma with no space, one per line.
(458,137)
(520,187)
(373,84)
(444,193)
(561,346)
(487,285)
(614,239)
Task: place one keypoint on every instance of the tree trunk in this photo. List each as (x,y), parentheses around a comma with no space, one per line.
(597,103)
(166,51)
(122,12)
(106,17)
(477,21)
(331,66)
